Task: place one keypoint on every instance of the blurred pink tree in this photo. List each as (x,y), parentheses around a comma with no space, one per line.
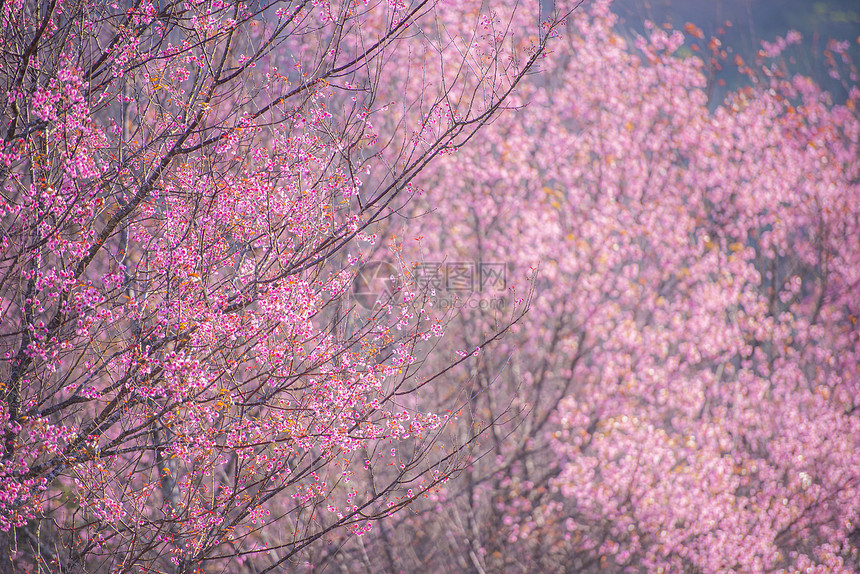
(683,394)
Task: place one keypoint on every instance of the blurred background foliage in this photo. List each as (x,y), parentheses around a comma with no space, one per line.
(741,25)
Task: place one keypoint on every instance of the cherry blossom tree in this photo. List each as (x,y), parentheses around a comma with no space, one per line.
(188,189)
(683,394)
